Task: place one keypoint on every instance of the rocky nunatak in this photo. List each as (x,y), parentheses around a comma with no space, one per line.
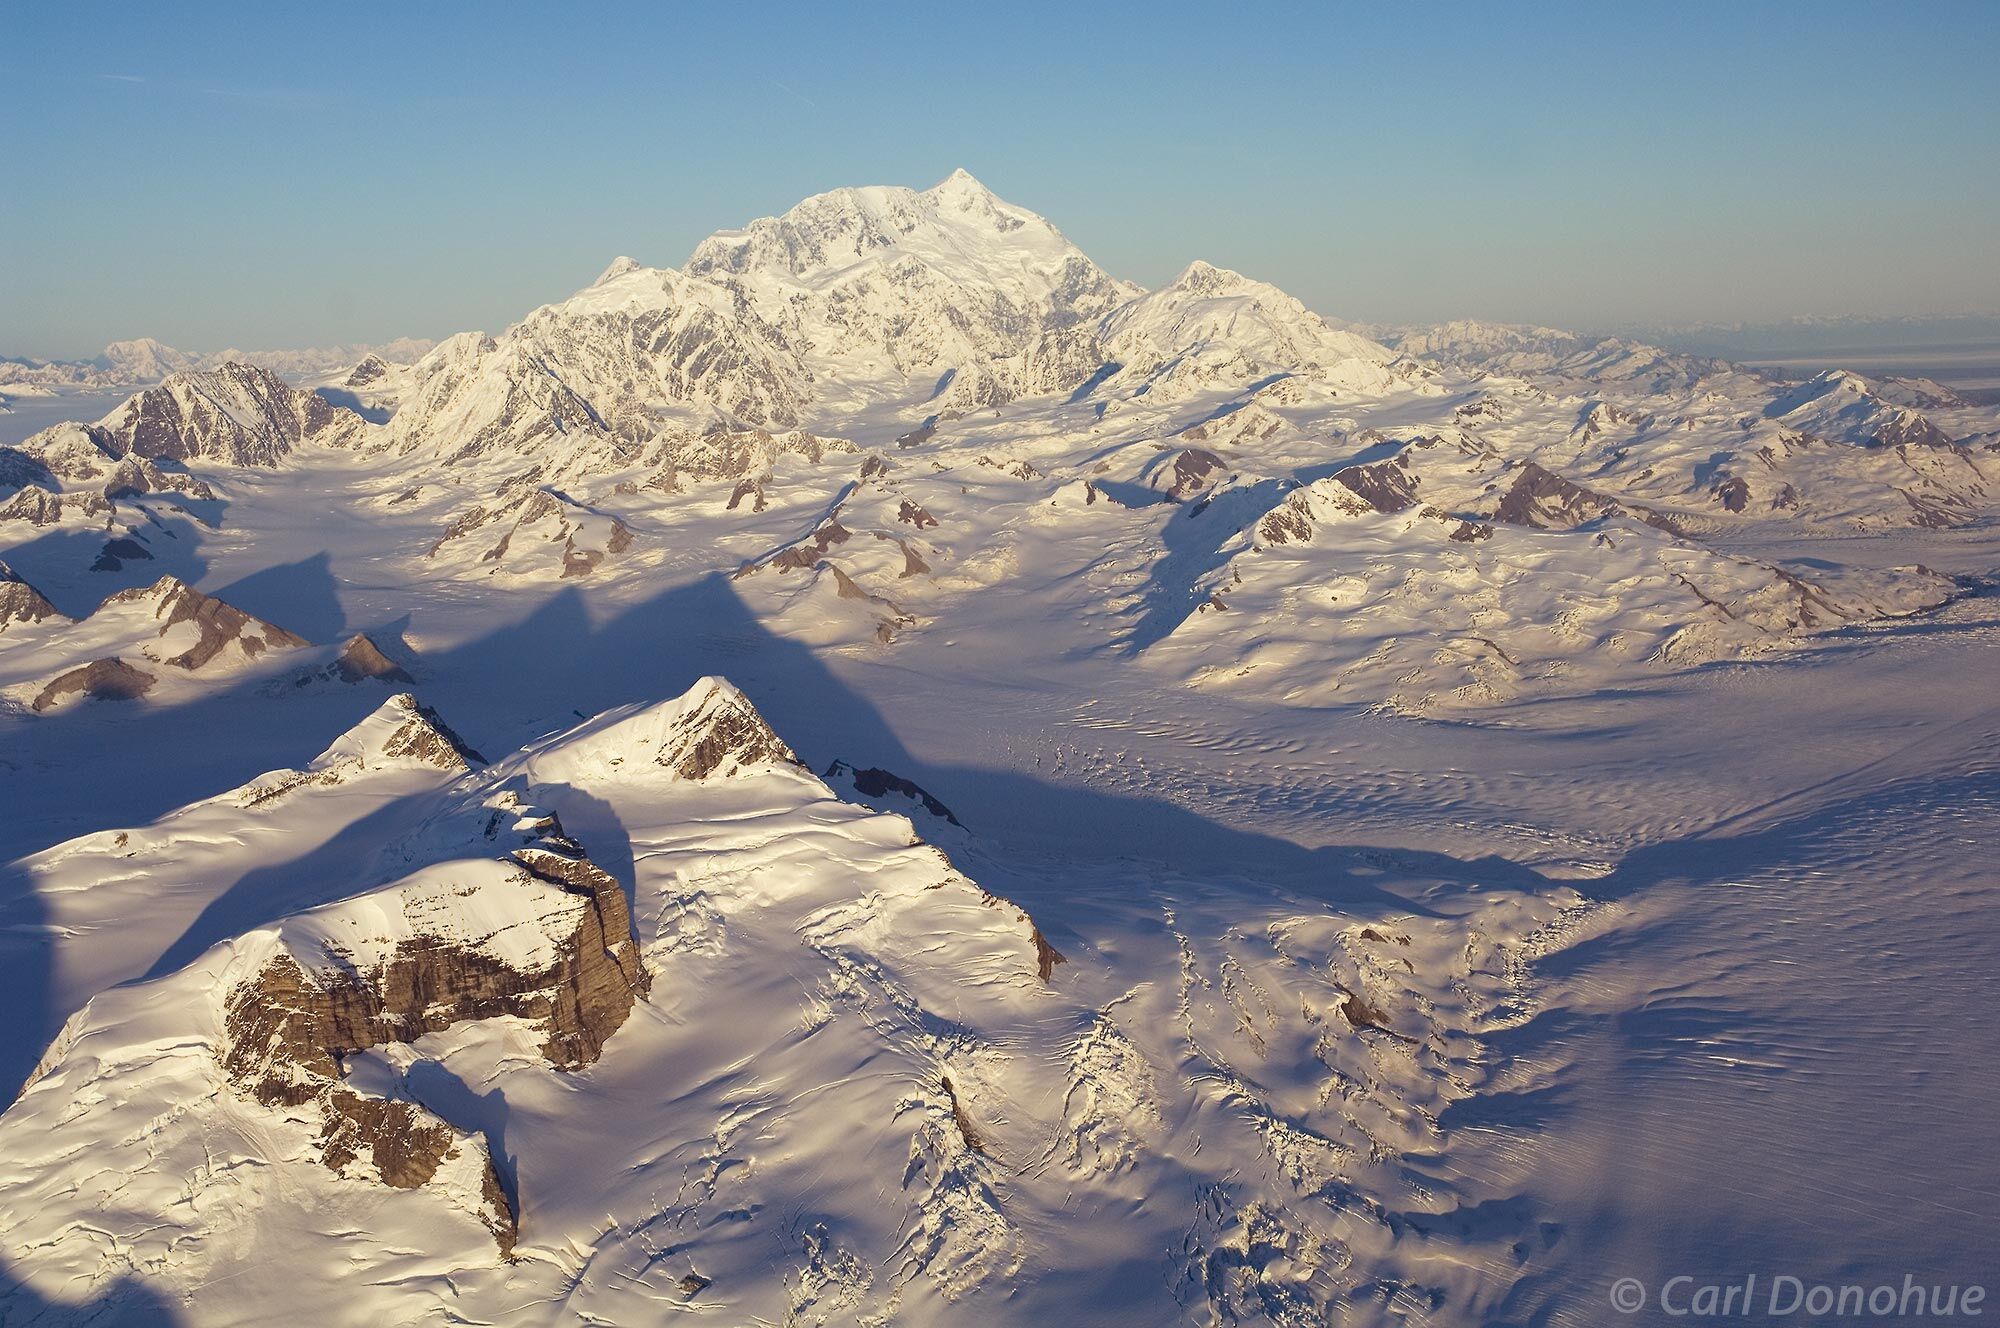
(292,1026)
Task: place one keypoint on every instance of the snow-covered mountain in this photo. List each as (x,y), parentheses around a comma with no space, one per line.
(1549,353)
(237,414)
(1210,327)
(869,410)
(1268,678)
(125,647)
(144,361)
(884,297)
(1473,579)
(510,1057)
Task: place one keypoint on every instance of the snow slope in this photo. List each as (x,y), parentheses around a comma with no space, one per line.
(854,1084)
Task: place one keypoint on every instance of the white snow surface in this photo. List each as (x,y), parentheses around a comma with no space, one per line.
(1509,805)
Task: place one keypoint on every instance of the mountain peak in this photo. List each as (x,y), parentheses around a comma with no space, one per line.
(957,228)
(1236,326)
(236,412)
(401,729)
(712,730)
(719,732)
(1202,277)
(144,358)
(21,602)
(161,589)
(618,268)
(962,184)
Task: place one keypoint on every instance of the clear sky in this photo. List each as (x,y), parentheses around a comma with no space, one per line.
(285,175)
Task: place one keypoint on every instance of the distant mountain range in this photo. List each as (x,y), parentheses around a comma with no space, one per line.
(1801,336)
(144,361)
(881,401)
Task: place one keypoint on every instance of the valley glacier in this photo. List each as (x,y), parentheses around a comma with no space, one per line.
(888,776)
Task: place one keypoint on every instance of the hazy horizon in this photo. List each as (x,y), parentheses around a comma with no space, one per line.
(303,179)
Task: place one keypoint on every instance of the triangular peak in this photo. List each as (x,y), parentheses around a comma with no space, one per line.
(960,184)
(711,731)
(718,733)
(161,590)
(361,658)
(619,267)
(1201,272)
(21,602)
(402,730)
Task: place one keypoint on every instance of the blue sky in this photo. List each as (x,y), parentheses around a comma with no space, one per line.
(284,175)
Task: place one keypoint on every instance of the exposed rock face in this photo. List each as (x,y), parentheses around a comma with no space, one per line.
(291,1025)
(1290,522)
(1249,423)
(19,470)
(1841,406)
(82,471)
(1383,486)
(401,730)
(217,625)
(582,539)
(873,782)
(1544,500)
(596,994)
(1910,430)
(720,733)
(237,413)
(1471,532)
(101,679)
(21,602)
(362,659)
(1046,955)
(805,554)
(370,370)
(424,736)
(117,552)
(1194,471)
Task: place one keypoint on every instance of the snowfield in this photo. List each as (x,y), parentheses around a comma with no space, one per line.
(888,776)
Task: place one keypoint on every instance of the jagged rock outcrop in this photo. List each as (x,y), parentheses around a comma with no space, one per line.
(872,782)
(422,735)
(237,413)
(1543,500)
(361,659)
(563,959)
(196,627)
(1383,486)
(134,640)
(718,733)
(21,602)
(1192,472)
(18,469)
(544,532)
(101,679)
(401,731)
(83,471)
